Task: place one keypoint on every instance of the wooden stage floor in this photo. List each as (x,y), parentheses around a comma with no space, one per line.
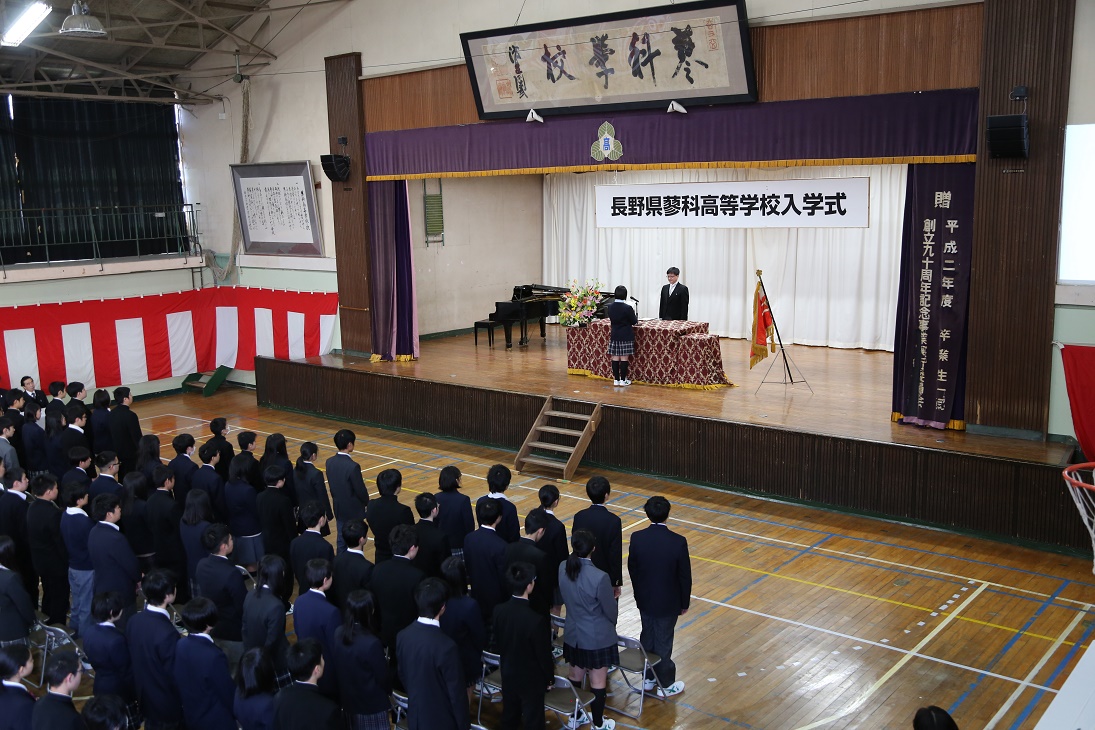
(851,390)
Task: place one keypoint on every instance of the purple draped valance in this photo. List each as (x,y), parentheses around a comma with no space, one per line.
(929,126)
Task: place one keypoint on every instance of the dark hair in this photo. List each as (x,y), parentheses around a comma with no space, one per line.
(519,575)
(56,388)
(275,450)
(344,438)
(43,483)
(449,479)
(425,504)
(673,270)
(214,536)
(388,481)
(198,615)
(157,584)
(430,597)
(15,474)
(274,572)
(101,399)
(256,673)
(933,718)
(311,512)
(620,293)
(15,395)
(307,451)
(207,451)
(498,478)
(31,409)
(455,575)
(72,493)
(272,475)
(55,424)
(120,394)
(59,665)
(487,511)
(549,495)
(105,712)
(198,509)
(597,489)
(75,388)
(245,439)
(13,658)
(182,442)
(239,467)
(78,454)
(316,571)
(104,458)
(353,533)
(657,509)
(74,411)
(402,539)
(103,505)
(359,613)
(137,483)
(303,657)
(7,552)
(24,379)
(148,450)
(161,475)
(583,543)
(6,423)
(217,425)
(536,519)
(106,605)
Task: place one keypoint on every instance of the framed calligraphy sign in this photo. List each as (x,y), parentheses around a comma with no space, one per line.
(276,204)
(692,53)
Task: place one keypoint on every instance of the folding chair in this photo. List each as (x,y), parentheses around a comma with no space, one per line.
(634,659)
(490,681)
(567,701)
(53,639)
(558,624)
(400,703)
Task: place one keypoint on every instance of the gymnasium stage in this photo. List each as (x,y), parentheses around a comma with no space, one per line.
(833,447)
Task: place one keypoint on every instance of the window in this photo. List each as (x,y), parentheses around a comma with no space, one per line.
(1076,262)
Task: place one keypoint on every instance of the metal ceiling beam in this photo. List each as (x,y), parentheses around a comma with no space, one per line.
(136,44)
(258,50)
(109,97)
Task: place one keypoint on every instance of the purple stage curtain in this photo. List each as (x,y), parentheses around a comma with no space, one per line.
(395,311)
(929,365)
(929,126)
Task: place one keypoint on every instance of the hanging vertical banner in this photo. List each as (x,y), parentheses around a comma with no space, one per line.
(930,346)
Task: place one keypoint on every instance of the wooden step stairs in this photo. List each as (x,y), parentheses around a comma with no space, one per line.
(207,383)
(559,438)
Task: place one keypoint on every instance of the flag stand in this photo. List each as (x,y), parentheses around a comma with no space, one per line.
(787,378)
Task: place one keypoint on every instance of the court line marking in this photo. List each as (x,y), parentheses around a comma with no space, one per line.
(915,652)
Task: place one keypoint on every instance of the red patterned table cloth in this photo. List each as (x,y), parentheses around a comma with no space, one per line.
(667,352)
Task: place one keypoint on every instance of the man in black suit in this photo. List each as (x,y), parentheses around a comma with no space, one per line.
(219,428)
(526,551)
(433,543)
(314,617)
(522,636)
(485,559)
(79,458)
(152,639)
(429,666)
(607,529)
(13,523)
(164,514)
(47,548)
(674,302)
(385,513)
(107,481)
(498,478)
(16,702)
(275,508)
(55,710)
(393,583)
(182,466)
(208,479)
(310,544)
(115,565)
(348,489)
(201,671)
(30,393)
(300,705)
(125,430)
(661,577)
(223,583)
(352,570)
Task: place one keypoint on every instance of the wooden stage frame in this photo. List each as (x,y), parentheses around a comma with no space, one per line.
(835,447)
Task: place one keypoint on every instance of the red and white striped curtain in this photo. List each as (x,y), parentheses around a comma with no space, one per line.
(107,342)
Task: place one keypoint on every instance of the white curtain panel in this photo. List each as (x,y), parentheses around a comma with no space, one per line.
(834,287)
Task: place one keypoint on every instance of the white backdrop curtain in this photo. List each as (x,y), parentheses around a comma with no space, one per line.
(835,287)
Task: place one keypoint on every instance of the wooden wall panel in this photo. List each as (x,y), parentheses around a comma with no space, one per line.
(438,97)
(1017,209)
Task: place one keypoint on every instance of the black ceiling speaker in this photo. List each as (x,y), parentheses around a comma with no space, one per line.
(1008,135)
(336,167)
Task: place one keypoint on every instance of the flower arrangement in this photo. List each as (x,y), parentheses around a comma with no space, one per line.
(580,303)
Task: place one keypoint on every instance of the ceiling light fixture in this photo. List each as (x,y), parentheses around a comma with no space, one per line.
(35,13)
(81,23)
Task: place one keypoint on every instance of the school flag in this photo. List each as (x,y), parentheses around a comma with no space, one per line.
(763,328)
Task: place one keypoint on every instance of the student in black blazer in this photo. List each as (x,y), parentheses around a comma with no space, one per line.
(112,559)
(99,422)
(201,671)
(661,577)
(14,413)
(223,583)
(301,705)
(394,583)
(47,548)
(107,481)
(554,543)
(526,551)
(79,460)
(309,544)
(56,404)
(13,523)
(125,430)
(607,530)
(314,617)
(219,428)
(276,454)
(164,516)
(454,515)
(352,570)
(485,559)
(106,648)
(310,484)
(253,704)
(16,701)
(247,442)
(363,681)
(16,610)
(429,666)
(498,478)
(75,435)
(522,636)
(348,490)
(433,543)
(674,299)
(197,516)
(275,509)
(34,441)
(152,640)
(386,513)
(462,620)
(183,466)
(264,612)
(55,710)
(207,479)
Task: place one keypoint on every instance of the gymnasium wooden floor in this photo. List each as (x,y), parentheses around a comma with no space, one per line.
(801,618)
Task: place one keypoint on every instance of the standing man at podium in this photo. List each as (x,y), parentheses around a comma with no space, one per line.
(674,303)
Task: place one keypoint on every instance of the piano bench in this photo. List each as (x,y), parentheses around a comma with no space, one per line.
(488,325)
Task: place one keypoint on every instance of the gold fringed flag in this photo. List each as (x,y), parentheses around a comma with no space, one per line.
(763,328)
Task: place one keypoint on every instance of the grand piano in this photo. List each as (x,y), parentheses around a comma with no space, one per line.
(535,302)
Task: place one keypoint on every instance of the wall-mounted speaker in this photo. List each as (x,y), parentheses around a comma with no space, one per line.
(336,167)
(1008,135)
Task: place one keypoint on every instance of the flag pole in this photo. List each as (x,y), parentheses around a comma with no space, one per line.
(787,362)
(775,324)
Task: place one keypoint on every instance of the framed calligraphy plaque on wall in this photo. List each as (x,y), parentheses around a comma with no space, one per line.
(276,203)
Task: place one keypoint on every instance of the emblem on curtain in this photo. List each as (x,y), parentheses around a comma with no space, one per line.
(606,146)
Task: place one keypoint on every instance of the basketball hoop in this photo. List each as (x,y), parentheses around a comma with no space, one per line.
(1080,479)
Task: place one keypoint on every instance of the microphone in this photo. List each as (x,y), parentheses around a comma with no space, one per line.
(634,299)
